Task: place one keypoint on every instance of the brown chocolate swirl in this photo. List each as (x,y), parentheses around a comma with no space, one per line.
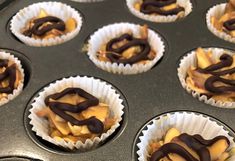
(142,55)
(225,61)
(9,73)
(40,29)
(229,24)
(93,124)
(154,6)
(195,142)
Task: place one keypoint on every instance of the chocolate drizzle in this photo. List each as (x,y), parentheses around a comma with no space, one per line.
(142,55)
(154,6)
(10,73)
(195,142)
(93,124)
(230,24)
(225,61)
(40,29)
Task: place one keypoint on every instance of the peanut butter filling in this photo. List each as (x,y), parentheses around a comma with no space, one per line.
(177,146)
(226,23)
(60,127)
(213,77)
(45,26)
(127,49)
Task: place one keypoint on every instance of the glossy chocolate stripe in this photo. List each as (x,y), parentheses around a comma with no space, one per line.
(166,149)
(197,146)
(209,85)
(142,55)
(91,100)
(158,3)
(10,73)
(159,11)
(195,142)
(230,24)
(219,73)
(226,61)
(39,30)
(154,6)
(212,141)
(93,124)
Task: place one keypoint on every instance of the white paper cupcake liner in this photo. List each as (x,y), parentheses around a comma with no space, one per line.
(100,89)
(185,122)
(57,9)
(109,32)
(217,11)
(87,1)
(159,18)
(190,60)
(18,90)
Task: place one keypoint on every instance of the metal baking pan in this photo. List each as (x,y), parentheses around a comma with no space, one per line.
(147,95)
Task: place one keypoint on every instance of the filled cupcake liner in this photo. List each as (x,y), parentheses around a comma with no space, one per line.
(159,18)
(87,1)
(217,11)
(18,90)
(100,89)
(190,60)
(109,32)
(56,9)
(186,122)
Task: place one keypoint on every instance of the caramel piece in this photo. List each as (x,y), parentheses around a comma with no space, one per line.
(46,26)
(70,25)
(203,59)
(185,147)
(171,133)
(218,148)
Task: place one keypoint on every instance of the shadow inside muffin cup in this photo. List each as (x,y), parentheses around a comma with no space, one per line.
(61,150)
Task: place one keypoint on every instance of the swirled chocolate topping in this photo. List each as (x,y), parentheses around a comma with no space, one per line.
(132,42)
(10,73)
(93,124)
(40,29)
(195,142)
(154,6)
(230,24)
(225,61)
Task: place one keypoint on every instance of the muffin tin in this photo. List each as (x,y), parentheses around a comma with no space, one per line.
(146,95)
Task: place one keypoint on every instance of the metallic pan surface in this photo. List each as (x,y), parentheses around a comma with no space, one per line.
(148,95)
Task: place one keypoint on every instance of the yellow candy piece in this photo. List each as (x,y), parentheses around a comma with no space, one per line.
(76,130)
(171,133)
(170,7)
(232,33)
(224,18)
(70,24)
(218,148)
(100,112)
(203,59)
(42,13)
(137,6)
